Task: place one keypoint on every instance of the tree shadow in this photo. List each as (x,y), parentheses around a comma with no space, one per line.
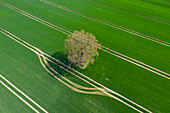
(62,57)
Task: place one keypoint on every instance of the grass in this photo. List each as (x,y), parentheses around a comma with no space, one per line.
(12,102)
(142,7)
(23,68)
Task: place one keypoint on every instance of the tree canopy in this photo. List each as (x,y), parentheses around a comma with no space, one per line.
(81,48)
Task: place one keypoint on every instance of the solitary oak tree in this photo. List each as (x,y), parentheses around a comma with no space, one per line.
(81,48)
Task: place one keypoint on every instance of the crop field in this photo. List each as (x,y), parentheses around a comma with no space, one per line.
(131,73)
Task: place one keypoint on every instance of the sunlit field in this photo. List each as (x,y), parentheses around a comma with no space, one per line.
(131,73)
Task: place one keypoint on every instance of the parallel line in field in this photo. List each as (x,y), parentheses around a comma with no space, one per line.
(34,18)
(69,81)
(103,91)
(23,94)
(19,97)
(110,51)
(155,3)
(139,62)
(35,49)
(109,24)
(75,88)
(130,11)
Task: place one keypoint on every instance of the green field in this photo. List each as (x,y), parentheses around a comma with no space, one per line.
(137,66)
